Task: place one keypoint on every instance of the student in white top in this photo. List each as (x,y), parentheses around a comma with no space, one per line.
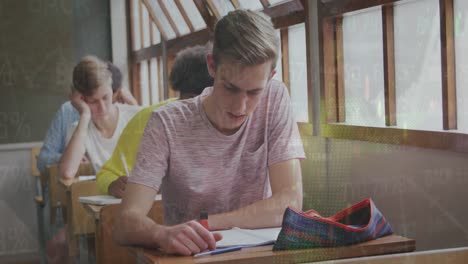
(101,122)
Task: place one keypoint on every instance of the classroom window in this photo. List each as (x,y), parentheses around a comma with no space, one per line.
(157,25)
(154,80)
(222,7)
(279,67)
(251,4)
(144,83)
(363,68)
(155,36)
(162,95)
(418,65)
(424,68)
(159,16)
(461,39)
(145,28)
(175,14)
(136,32)
(193,14)
(277,2)
(298,72)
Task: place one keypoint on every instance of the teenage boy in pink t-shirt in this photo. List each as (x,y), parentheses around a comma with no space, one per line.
(232,152)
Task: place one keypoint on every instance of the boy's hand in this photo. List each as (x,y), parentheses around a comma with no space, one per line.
(186,239)
(77,100)
(124,97)
(117,187)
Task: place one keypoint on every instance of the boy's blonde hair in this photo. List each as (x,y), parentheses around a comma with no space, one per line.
(245,37)
(89,74)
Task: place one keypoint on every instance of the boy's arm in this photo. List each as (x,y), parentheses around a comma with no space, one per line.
(75,150)
(286,187)
(134,227)
(112,170)
(53,146)
(108,174)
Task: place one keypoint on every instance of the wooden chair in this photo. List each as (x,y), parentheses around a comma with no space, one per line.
(39,201)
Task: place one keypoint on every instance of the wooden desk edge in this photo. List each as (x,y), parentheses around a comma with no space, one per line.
(407,245)
(94,210)
(67,183)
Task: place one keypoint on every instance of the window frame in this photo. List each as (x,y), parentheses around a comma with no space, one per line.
(283,15)
(331,77)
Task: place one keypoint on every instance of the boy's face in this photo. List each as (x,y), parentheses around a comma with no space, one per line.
(237,90)
(100,102)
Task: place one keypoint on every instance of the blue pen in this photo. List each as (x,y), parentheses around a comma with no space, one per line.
(218,251)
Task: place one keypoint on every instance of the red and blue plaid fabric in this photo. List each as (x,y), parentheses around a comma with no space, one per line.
(358,223)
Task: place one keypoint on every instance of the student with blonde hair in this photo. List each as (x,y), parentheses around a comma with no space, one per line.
(233,152)
(55,139)
(101,121)
(95,86)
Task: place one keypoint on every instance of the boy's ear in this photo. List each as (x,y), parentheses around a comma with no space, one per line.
(210,64)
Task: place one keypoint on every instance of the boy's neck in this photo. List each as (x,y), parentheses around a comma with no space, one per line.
(107,126)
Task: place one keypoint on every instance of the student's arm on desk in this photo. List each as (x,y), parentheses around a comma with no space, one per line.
(109,176)
(286,187)
(75,150)
(134,227)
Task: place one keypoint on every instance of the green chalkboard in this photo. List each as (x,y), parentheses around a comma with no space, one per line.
(40,42)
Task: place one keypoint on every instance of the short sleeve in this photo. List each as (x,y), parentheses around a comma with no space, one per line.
(54,142)
(152,156)
(284,141)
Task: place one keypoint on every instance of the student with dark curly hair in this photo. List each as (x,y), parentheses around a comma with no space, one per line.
(189,75)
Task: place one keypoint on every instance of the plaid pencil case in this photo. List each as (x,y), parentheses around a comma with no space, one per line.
(358,223)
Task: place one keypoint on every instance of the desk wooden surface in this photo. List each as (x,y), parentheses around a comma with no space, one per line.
(450,255)
(263,255)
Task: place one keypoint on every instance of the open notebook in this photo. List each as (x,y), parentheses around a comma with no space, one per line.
(248,237)
(105,199)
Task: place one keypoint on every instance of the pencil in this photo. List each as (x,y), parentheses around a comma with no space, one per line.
(124,162)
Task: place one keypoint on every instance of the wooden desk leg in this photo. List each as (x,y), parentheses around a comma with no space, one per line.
(41,232)
(97,244)
(79,222)
(72,239)
(73,243)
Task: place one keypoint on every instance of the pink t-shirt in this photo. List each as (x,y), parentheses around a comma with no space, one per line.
(199,169)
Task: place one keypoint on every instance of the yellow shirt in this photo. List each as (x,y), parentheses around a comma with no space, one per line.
(127,146)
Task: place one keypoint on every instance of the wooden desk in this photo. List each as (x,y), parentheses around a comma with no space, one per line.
(107,251)
(264,255)
(79,222)
(451,255)
(58,190)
